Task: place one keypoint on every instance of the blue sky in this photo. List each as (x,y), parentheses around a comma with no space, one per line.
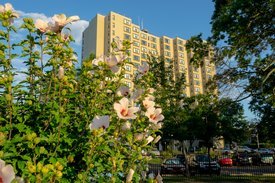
(172,18)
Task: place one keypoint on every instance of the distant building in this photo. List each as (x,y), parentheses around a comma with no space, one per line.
(99,35)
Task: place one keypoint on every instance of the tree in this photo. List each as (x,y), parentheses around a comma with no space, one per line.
(243,34)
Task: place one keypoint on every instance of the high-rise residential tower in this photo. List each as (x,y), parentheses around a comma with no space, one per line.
(102,30)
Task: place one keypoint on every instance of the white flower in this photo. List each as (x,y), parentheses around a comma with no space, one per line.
(118,43)
(112,63)
(154,115)
(96,61)
(8,8)
(151,90)
(123,91)
(100,122)
(61,21)
(143,69)
(123,112)
(6,172)
(148,103)
(42,25)
(149,97)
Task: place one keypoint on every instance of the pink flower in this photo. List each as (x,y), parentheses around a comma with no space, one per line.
(147,103)
(61,21)
(112,63)
(6,172)
(143,69)
(100,122)
(154,115)
(120,57)
(41,25)
(123,91)
(123,112)
(8,7)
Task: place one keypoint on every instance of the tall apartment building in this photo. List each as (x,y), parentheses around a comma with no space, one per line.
(102,30)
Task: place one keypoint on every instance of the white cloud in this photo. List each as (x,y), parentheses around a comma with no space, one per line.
(76,30)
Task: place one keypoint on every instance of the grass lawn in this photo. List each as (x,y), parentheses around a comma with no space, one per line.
(220,179)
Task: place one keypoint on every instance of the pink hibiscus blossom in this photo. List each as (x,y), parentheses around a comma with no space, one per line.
(154,115)
(123,112)
(7,173)
(100,122)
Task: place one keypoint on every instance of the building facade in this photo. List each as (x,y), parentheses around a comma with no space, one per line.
(102,30)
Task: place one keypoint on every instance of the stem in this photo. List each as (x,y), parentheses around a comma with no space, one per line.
(8,69)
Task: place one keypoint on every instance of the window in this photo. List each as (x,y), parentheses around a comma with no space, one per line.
(136,50)
(135,36)
(114,25)
(168,60)
(180,42)
(129,84)
(113,32)
(144,63)
(114,17)
(196,76)
(180,55)
(127,36)
(135,43)
(197,89)
(154,52)
(143,42)
(167,53)
(153,39)
(180,48)
(166,40)
(208,70)
(143,55)
(209,76)
(128,67)
(128,52)
(127,76)
(127,22)
(196,69)
(167,47)
(136,58)
(144,36)
(127,29)
(181,61)
(143,49)
(197,82)
(135,29)
(153,45)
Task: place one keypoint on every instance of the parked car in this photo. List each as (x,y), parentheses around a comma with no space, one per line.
(181,157)
(264,151)
(267,159)
(172,166)
(200,165)
(242,159)
(243,149)
(226,161)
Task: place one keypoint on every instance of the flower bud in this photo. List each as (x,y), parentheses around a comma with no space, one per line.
(130,176)
(60,72)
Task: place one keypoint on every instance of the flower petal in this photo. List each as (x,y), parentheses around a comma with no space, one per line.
(7,174)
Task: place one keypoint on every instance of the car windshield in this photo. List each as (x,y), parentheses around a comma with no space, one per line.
(202,158)
(173,162)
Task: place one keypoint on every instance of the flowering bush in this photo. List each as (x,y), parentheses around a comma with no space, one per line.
(60,124)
